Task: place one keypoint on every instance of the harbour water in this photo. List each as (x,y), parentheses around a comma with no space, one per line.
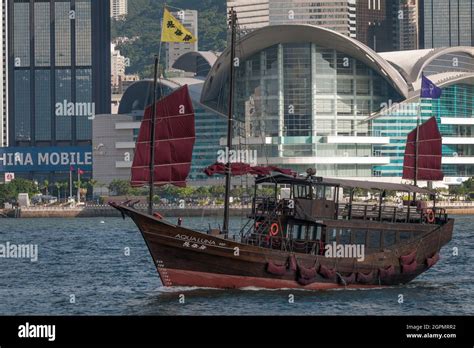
(101,266)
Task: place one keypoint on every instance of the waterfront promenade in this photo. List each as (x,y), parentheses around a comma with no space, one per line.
(103,210)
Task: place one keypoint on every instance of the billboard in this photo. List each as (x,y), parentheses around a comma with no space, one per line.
(45,159)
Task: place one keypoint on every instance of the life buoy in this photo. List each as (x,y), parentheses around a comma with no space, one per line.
(274,229)
(430,216)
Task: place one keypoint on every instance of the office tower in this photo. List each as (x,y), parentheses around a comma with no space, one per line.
(406,25)
(447,23)
(375,24)
(3,77)
(59,70)
(331,14)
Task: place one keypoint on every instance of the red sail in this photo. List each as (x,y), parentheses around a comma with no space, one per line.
(429,153)
(243,169)
(174,141)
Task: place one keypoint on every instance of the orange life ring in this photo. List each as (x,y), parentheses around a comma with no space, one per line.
(430,216)
(274,229)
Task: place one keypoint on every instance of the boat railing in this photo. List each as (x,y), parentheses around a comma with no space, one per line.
(391,213)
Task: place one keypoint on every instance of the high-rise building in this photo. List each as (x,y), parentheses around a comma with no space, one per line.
(383,25)
(189,18)
(3,77)
(59,73)
(374,24)
(447,23)
(118,66)
(118,9)
(406,25)
(338,15)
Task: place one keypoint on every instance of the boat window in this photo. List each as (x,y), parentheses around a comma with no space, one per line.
(374,239)
(405,236)
(329,193)
(359,237)
(298,232)
(332,235)
(389,238)
(318,233)
(345,236)
(302,191)
(319,192)
(314,232)
(301,231)
(289,230)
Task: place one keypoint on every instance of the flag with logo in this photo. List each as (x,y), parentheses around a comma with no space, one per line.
(80,171)
(429,89)
(173,30)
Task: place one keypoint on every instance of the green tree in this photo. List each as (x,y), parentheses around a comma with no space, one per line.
(143,26)
(120,187)
(10,191)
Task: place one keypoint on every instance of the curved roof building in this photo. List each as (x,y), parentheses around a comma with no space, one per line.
(310,97)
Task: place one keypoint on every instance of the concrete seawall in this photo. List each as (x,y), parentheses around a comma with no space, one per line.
(106,211)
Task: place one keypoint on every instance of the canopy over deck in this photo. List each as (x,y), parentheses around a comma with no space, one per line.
(367,185)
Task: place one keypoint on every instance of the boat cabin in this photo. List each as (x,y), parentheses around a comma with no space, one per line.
(307,213)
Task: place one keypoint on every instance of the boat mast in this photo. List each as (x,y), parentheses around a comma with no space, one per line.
(418,116)
(228,174)
(415,181)
(152,138)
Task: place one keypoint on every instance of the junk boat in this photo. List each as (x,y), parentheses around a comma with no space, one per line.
(289,234)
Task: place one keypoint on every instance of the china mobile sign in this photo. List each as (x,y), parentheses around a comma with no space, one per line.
(45,159)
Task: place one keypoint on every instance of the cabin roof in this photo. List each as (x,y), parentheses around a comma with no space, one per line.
(367,185)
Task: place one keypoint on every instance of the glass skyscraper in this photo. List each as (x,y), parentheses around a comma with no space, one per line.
(59,70)
(447,23)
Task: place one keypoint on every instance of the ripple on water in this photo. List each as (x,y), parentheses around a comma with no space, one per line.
(86,258)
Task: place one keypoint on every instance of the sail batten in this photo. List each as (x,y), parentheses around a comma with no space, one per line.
(423,156)
(174,142)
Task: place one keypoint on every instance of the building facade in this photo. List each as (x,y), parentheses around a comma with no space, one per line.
(118,9)
(189,18)
(119,64)
(406,25)
(383,25)
(326,101)
(4,75)
(447,23)
(375,24)
(59,73)
(331,14)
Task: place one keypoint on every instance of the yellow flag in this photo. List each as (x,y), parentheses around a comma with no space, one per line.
(173,31)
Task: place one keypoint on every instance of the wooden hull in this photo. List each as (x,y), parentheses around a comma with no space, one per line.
(185,257)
